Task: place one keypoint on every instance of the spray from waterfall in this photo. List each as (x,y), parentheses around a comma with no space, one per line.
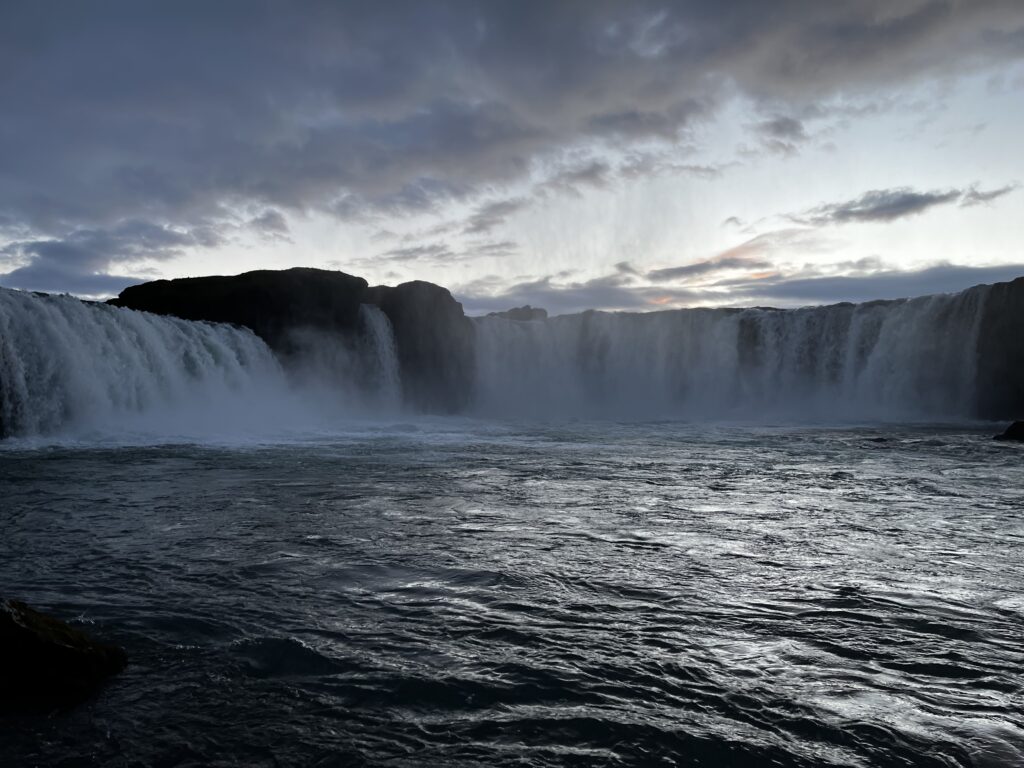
(901,360)
(68,366)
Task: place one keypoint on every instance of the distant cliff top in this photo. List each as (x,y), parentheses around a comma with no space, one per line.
(525,312)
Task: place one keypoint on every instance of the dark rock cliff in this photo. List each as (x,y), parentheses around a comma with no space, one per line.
(435,346)
(433,338)
(271,303)
(1000,373)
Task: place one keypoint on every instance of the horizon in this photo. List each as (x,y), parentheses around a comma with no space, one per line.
(568,156)
(552,314)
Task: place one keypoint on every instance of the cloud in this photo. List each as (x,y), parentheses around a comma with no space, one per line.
(975,196)
(884,284)
(884,205)
(271,225)
(868,282)
(181,114)
(270,221)
(652,164)
(594,174)
(783,128)
(751,255)
(782,134)
(609,292)
(79,261)
(699,268)
(430,251)
(490,215)
(492,248)
(878,205)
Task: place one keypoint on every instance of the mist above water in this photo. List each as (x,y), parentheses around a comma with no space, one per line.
(71,367)
(905,360)
(66,365)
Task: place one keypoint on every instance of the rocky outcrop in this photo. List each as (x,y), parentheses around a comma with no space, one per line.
(524,313)
(435,344)
(46,665)
(999,381)
(433,337)
(1014,432)
(270,303)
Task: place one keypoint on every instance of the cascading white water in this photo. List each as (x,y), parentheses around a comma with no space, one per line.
(382,354)
(899,360)
(67,365)
(357,371)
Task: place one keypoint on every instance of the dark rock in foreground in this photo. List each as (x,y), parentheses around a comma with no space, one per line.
(47,665)
(1013,432)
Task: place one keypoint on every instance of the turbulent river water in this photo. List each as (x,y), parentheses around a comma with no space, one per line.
(466,592)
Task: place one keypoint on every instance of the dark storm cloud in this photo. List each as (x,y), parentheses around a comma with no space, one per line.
(184,113)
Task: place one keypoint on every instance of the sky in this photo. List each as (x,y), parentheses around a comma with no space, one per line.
(566,154)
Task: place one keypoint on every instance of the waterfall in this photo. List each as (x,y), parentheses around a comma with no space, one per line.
(383,357)
(894,360)
(66,363)
(72,366)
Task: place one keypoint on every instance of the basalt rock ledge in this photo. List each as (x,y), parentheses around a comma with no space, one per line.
(434,339)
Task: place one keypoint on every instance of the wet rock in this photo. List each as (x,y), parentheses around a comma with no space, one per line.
(45,664)
(1013,432)
(435,344)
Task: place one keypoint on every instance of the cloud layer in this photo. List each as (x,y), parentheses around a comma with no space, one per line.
(131,130)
